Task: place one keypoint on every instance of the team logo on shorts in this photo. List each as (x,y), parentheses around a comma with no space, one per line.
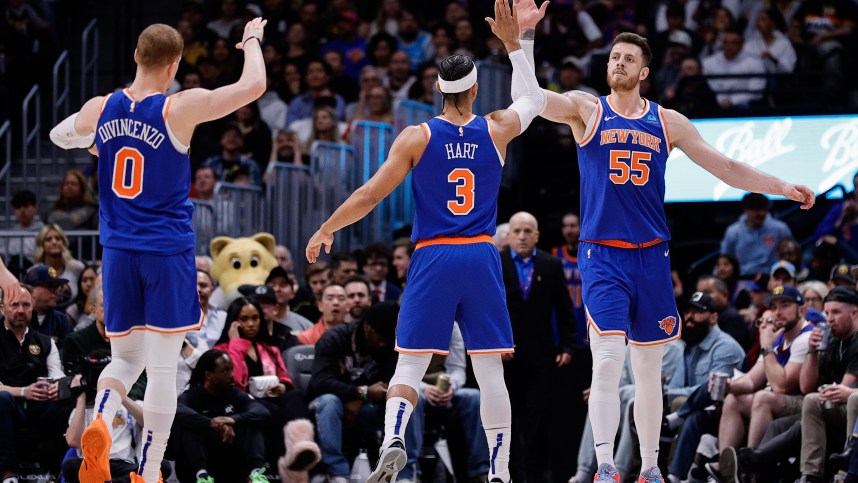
(667,324)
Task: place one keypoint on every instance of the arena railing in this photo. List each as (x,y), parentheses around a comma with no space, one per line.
(372,141)
(18,247)
(89,61)
(60,91)
(31,140)
(205,226)
(289,194)
(409,113)
(240,209)
(5,171)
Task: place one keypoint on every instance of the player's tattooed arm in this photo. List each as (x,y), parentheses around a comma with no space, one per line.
(528,34)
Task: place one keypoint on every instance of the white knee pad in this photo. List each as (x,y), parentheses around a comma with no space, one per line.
(128,359)
(410,369)
(494,397)
(161,353)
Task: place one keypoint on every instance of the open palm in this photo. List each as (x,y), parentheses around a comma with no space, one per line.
(529,14)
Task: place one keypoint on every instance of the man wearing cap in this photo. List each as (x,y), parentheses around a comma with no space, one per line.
(353,363)
(784,335)
(264,295)
(836,367)
(46,319)
(754,238)
(284,291)
(781,274)
(708,349)
(841,274)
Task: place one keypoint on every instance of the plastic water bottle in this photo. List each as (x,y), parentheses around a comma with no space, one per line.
(360,468)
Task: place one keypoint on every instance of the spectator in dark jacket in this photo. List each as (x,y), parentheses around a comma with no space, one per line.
(219,429)
(349,385)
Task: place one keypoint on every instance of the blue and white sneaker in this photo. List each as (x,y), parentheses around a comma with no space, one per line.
(606,473)
(651,475)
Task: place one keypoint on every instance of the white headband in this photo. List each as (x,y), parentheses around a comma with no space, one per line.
(460,85)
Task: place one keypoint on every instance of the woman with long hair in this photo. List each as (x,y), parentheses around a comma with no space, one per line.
(257,135)
(76,207)
(254,353)
(326,127)
(78,310)
(52,249)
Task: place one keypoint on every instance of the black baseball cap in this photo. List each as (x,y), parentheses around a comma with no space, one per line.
(278,271)
(383,317)
(262,293)
(842,271)
(702,301)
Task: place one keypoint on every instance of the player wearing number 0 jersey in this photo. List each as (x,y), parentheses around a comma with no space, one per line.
(455,273)
(623,144)
(141,137)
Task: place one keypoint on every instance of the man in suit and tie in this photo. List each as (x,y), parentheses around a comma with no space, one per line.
(543,328)
(376,259)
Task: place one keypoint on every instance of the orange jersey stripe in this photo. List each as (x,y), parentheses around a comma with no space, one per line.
(664,126)
(167,108)
(624,244)
(588,137)
(455,240)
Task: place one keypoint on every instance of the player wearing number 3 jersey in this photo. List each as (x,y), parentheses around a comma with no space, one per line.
(623,144)
(141,137)
(456,161)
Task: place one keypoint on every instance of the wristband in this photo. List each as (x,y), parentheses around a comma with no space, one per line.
(251,37)
(365,391)
(22,392)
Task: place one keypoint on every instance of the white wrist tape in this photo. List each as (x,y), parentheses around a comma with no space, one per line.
(65,136)
(531,101)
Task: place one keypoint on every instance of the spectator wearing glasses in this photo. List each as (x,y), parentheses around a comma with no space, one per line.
(376,259)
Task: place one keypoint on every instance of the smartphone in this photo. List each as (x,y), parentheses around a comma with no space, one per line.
(64,388)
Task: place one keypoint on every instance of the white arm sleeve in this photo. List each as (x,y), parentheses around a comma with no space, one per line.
(531,101)
(517,87)
(65,136)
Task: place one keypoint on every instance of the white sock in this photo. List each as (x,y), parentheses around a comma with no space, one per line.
(108,402)
(397,411)
(673,420)
(498,439)
(202,473)
(649,458)
(154,446)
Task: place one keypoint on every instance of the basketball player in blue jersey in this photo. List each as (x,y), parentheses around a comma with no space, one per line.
(623,144)
(150,297)
(456,161)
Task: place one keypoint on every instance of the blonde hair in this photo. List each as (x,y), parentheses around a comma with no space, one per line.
(159,45)
(40,243)
(335,130)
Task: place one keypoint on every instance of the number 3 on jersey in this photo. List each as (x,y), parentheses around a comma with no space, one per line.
(128,173)
(630,165)
(464,202)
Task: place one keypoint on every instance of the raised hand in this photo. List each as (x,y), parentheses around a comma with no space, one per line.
(253,29)
(529,14)
(505,25)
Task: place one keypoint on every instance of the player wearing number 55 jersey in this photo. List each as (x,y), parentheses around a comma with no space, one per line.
(455,273)
(141,137)
(623,144)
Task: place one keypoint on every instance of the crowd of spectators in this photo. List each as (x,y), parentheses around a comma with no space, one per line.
(333,63)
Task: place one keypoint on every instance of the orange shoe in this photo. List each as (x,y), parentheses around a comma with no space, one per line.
(135,478)
(95,444)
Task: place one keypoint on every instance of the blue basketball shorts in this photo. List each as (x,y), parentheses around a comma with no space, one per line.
(629,291)
(460,280)
(144,291)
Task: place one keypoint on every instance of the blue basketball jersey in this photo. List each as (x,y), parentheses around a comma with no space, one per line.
(456,181)
(144,180)
(574,284)
(622,162)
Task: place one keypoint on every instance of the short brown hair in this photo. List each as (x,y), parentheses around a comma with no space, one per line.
(404,242)
(159,45)
(635,39)
(314,269)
